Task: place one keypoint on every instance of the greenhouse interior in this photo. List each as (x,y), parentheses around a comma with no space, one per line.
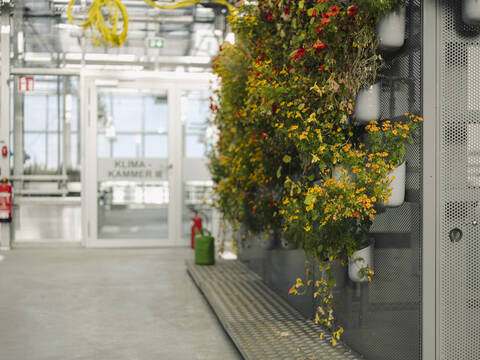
(252,179)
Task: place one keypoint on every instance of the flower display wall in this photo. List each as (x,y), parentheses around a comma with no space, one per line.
(291,155)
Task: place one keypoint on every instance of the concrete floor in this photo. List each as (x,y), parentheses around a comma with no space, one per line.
(70,304)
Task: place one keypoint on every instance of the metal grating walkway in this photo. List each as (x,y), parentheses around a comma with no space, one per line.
(261,324)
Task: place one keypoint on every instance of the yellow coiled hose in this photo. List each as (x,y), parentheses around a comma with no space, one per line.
(102,27)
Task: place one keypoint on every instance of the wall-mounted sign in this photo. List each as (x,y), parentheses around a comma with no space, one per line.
(155,43)
(26,84)
(132,169)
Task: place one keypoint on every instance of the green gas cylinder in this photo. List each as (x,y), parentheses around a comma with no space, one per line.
(204,247)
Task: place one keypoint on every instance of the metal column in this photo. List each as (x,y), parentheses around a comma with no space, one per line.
(6,8)
(18,102)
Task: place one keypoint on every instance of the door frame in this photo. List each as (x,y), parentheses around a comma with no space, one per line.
(174,83)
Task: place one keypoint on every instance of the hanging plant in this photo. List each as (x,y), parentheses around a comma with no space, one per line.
(290,155)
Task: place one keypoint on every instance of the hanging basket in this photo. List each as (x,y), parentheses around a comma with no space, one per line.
(471,12)
(367,107)
(360,263)
(397,186)
(391,30)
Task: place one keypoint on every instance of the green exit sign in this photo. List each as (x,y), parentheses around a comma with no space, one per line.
(155,43)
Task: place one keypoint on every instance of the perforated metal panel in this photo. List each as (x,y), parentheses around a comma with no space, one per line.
(459,64)
(390,306)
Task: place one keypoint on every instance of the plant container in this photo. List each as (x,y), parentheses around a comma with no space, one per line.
(391,30)
(361,259)
(397,186)
(367,107)
(471,12)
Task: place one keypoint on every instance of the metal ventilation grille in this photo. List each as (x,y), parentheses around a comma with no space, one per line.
(459,184)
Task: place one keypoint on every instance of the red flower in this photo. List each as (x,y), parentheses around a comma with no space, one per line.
(300,52)
(287,10)
(314,13)
(352,10)
(325,18)
(270,16)
(322,69)
(334,10)
(319,45)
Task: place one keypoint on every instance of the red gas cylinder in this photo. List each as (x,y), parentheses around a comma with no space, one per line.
(5,201)
(197,224)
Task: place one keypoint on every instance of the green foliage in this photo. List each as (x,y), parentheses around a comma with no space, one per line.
(288,154)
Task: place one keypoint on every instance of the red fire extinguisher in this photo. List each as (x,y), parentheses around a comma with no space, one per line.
(197,224)
(5,201)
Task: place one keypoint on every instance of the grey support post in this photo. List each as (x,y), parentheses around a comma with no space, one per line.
(18,101)
(5,8)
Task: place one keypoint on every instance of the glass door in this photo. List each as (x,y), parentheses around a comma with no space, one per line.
(144,168)
(128,166)
(132,163)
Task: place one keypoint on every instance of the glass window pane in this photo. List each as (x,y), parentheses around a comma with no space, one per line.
(133,210)
(156,114)
(35,112)
(127,113)
(73,151)
(53,114)
(197,196)
(126,146)
(195,113)
(53,152)
(35,151)
(74,114)
(156,146)
(194,146)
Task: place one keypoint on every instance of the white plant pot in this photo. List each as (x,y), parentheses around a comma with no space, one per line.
(391,29)
(361,259)
(367,107)
(471,12)
(397,186)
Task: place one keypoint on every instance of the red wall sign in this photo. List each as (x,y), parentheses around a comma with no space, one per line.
(25,84)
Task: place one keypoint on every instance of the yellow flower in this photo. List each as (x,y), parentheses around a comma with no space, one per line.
(307,228)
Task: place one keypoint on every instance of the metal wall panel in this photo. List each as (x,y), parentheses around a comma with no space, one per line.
(383,319)
(459,116)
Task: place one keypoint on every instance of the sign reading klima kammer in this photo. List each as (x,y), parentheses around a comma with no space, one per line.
(132,169)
